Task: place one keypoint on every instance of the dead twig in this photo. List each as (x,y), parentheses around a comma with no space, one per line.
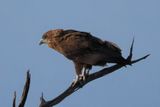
(14,100)
(25,92)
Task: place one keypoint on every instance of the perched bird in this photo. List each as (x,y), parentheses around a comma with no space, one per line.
(83,49)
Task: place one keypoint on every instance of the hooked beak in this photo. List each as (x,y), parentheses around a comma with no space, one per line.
(42,41)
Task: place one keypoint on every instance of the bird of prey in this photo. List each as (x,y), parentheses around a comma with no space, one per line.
(84,49)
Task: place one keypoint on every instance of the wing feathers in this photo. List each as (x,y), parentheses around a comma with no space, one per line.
(82,46)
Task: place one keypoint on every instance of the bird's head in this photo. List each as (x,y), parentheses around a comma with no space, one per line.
(45,39)
(50,37)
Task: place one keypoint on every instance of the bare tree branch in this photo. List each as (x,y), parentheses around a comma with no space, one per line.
(71,89)
(25,92)
(14,100)
(129,58)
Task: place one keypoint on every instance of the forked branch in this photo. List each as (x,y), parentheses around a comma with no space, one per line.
(71,89)
(25,92)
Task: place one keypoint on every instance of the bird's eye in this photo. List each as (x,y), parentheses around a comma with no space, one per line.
(44,36)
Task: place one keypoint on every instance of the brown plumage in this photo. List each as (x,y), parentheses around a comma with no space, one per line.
(83,49)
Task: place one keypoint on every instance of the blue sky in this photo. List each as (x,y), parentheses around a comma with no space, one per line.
(22,23)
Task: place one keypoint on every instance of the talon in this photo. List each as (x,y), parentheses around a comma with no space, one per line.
(82,78)
(75,81)
(79,79)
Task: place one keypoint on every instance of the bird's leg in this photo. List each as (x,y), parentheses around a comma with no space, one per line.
(75,80)
(79,74)
(84,72)
(87,71)
(87,68)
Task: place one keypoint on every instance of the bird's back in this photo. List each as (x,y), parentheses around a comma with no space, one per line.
(85,48)
(76,42)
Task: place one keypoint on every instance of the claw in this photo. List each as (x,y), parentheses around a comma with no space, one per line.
(83,78)
(75,81)
(79,79)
